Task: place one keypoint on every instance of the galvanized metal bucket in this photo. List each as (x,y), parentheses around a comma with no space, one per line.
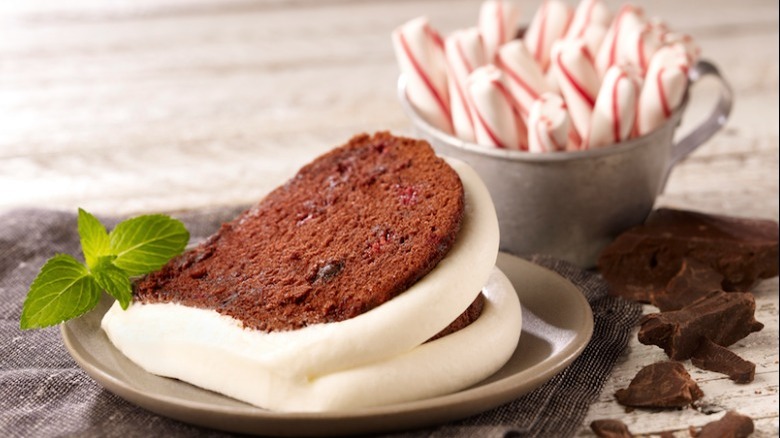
(572,204)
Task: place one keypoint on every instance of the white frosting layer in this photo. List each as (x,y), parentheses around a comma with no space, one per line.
(375,358)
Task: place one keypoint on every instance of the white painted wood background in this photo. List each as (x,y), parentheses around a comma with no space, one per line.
(133,106)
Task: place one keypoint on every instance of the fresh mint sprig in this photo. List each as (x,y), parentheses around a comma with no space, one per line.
(65,288)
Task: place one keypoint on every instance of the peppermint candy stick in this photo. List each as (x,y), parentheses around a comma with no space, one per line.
(615,110)
(578,81)
(548,124)
(589,13)
(497,120)
(548,26)
(639,47)
(498,23)
(594,37)
(692,50)
(524,76)
(419,50)
(465,52)
(664,87)
(629,18)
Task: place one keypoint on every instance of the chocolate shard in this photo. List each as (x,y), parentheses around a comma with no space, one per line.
(732,425)
(642,260)
(610,428)
(660,385)
(693,281)
(722,317)
(713,357)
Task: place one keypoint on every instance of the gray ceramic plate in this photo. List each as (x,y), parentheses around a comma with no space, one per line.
(557,324)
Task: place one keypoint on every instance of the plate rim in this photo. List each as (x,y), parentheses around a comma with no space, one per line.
(426,412)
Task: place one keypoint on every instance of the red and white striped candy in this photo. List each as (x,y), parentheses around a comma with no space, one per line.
(465,52)
(498,24)
(692,50)
(589,14)
(549,24)
(550,76)
(639,47)
(419,50)
(615,110)
(548,124)
(594,37)
(628,19)
(575,142)
(578,81)
(663,89)
(524,76)
(659,28)
(497,120)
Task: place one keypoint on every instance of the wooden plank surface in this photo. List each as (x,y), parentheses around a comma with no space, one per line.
(137,106)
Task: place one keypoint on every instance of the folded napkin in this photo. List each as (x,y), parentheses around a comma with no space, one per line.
(44,393)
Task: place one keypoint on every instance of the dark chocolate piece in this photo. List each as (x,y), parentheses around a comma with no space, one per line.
(642,260)
(732,425)
(610,428)
(693,281)
(713,357)
(722,317)
(660,385)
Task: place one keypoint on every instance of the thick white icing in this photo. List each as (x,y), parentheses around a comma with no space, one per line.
(375,358)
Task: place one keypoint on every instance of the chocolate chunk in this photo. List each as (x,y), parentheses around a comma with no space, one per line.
(609,428)
(713,357)
(693,281)
(732,425)
(642,260)
(660,385)
(723,318)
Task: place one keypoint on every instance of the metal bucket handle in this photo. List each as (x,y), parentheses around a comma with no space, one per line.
(713,123)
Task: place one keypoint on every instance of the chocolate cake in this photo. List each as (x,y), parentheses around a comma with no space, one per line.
(348,232)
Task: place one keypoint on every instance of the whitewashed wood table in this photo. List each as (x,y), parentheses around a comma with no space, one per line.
(146,105)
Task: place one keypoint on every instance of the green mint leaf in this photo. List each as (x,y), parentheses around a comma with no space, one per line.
(94,238)
(113,280)
(145,243)
(64,289)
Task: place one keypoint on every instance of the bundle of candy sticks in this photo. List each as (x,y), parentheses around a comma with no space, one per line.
(576,78)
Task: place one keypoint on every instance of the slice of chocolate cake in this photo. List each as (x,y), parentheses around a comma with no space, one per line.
(317,249)
(354,284)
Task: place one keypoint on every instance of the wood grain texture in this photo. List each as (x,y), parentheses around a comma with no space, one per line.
(145,105)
